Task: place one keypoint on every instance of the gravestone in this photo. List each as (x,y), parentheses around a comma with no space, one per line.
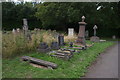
(14,31)
(86,34)
(61,40)
(18,30)
(113,37)
(70,32)
(95,38)
(55,45)
(43,47)
(25,30)
(81,34)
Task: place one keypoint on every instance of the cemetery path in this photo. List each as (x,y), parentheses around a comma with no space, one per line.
(106,66)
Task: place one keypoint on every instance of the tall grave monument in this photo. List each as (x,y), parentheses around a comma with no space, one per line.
(25,30)
(95,38)
(81,34)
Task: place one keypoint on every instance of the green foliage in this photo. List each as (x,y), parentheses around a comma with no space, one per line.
(74,68)
(61,14)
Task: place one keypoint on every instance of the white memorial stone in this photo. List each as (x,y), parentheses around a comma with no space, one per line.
(18,29)
(13,31)
(70,31)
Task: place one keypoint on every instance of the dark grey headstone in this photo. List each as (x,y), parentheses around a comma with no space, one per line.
(55,45)
(61,40)
(43,47)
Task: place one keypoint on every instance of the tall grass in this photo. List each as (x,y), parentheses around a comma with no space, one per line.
(16,44)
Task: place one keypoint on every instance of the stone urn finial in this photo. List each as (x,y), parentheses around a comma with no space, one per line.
(95,27)
(83,18)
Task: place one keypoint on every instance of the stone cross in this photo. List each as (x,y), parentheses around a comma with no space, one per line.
(95,27)
(70,31)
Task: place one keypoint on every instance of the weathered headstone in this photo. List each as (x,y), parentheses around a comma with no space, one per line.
(25,25)
(95,27)
(70,32)
(81,34)
(13,31)
(86,34)
(113,37)
(43,47)
(95,38)
(25,30)
(61,40)
(55,45)
(18,30)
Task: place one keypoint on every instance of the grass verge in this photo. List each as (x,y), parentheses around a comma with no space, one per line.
(74,68)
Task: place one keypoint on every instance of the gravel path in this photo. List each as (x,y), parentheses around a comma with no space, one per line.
(106,65)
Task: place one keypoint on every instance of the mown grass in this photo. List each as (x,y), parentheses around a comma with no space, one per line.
(74,68)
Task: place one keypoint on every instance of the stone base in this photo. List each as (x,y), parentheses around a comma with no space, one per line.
(95,39)
(81,41)
(44,50)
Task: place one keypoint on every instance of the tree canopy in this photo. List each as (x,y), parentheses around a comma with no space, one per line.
(61,15)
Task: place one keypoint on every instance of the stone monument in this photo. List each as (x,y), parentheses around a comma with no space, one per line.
(55,45)
(25,30)
(81,34)
(18,30)
(13,31)
(43,47)
(95,38)
(61,40)
(86,34)
(70,32)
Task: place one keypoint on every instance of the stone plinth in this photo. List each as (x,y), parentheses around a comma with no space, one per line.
(95,39)
(81,34)
(43,48)
(55,45)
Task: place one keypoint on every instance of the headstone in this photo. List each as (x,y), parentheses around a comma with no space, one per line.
(70,32)
(25,25)
(25,30)
(113,37)
(13,31)
(81,34)
(95,38)
(61,40)
(55,45)
(43,47)
(35,29)
(86,34)
(95,27)
(18,30)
